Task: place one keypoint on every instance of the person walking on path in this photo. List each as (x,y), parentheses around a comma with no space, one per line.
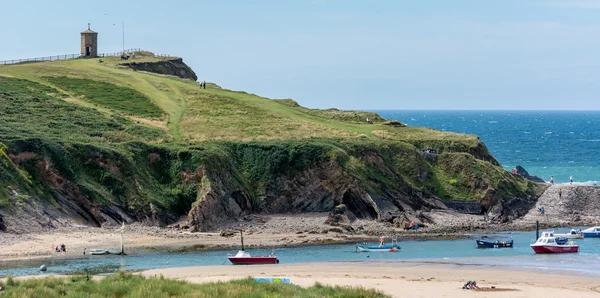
(551,179)
(571,179)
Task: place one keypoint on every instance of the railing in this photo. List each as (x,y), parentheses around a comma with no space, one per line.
(41,59)
(73,56)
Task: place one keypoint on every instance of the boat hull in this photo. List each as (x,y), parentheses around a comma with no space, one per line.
(253,260)
(570,236)
(591,234)
(494,244)
(372,248)
(555,248)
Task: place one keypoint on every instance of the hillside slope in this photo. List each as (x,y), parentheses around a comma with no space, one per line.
(95,143)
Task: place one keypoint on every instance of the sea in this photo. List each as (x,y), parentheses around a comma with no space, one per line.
(546,143)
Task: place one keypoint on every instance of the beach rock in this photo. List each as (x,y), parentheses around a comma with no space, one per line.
(336,230)
(521,171)
(340,215)
(227,233)
(2,225)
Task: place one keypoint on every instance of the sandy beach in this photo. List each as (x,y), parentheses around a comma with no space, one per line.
(405,279)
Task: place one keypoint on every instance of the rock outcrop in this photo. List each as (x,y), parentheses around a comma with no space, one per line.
(340,215)
(521,171)
(566,204)
(174,67)
(2,226)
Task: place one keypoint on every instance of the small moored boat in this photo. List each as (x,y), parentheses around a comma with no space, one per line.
(393,247)
(593,232)
(548,243)
(573,234)
(244,258)
(487,242)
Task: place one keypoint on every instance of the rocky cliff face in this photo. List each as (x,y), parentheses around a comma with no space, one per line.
(566,204)
(174,67)
(371,183)
(223,182)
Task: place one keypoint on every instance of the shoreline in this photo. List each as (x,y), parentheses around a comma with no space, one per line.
(145,240)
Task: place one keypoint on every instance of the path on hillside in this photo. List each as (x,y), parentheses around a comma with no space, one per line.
(566,204)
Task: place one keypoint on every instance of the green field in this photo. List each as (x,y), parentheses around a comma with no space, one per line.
(197,115)
(126,285)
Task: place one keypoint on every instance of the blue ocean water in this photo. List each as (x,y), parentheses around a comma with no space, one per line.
(545,143)
(459,251)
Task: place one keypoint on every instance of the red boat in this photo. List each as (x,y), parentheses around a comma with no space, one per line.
(547,243)
(244,258)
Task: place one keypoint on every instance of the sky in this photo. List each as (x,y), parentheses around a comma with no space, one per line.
(369,55)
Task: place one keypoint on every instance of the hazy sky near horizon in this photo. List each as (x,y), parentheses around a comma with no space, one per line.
(405,54)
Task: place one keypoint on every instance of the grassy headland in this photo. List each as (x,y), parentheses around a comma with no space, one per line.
(156,146)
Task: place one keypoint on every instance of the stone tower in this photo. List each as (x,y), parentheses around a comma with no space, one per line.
(89,43)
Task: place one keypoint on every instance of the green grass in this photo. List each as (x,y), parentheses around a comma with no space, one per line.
(198,115)
(126,100)
(31,110)
(126,285)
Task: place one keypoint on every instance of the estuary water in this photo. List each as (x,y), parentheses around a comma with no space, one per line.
(545,143)
(459,251)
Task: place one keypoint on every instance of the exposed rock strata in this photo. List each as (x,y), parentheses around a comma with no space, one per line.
(174,67)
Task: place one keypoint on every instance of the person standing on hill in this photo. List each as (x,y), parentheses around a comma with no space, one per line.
(551,179)
(571,179)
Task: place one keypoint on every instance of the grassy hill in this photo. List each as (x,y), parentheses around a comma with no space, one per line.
(155,146)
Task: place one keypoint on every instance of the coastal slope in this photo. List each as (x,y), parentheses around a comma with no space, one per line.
(96,143)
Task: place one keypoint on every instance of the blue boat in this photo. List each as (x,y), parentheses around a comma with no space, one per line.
(486,242)
(593,232)
(382,247)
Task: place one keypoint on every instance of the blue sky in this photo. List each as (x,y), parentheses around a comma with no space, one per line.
(460,54)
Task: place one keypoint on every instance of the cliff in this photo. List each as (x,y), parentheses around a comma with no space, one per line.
(96,144)
(173,67)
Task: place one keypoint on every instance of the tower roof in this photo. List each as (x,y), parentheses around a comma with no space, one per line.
(88,31)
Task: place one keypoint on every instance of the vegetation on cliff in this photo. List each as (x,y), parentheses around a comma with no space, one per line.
(101,142)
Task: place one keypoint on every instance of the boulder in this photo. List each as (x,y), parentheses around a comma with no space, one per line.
(2,225)
(227,233)
(340,215)
(521,171)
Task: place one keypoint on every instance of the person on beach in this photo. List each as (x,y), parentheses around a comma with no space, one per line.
(571,179)
(84,250)
(560,193)
(551,179)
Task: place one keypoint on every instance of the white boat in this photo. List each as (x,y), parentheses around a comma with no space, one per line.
(593,232)
(548,243)
(573,234)
(97,252)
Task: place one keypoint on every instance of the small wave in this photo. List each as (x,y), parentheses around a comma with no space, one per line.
(589,140)
(548,133)
(492,121)
(527,132)
(588,183)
